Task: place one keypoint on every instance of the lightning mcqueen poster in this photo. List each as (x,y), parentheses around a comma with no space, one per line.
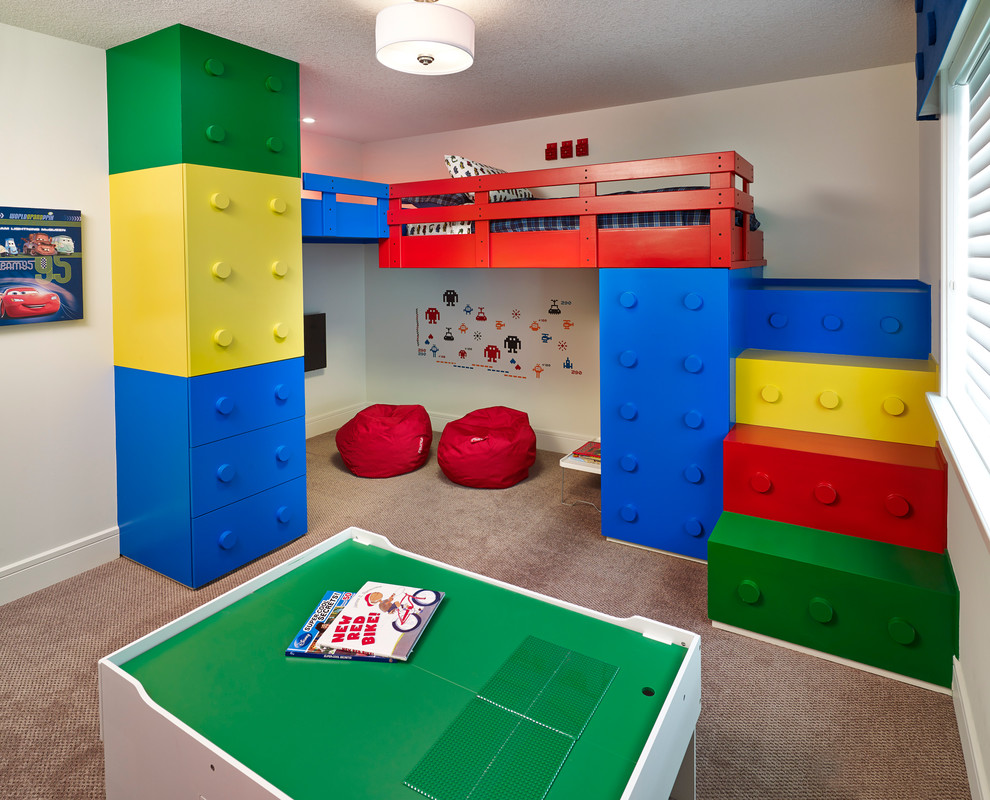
(40,265)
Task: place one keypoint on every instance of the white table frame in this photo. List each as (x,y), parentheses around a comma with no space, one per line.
(154,755)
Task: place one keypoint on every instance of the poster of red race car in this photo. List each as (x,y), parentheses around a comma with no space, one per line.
(40,265)
(19,302)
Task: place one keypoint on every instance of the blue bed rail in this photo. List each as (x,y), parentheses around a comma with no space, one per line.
(331,220)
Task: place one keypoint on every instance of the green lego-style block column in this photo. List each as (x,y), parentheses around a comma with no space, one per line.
(206,216)
(891,607)
(182,96)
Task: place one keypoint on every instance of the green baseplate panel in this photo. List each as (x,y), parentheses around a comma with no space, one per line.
(514,737)
(316,728)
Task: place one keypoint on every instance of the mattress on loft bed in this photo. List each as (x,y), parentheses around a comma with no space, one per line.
(633,219)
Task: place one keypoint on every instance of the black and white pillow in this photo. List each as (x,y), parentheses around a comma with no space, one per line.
(460,167)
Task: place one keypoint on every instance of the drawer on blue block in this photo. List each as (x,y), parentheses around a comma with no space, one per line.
(223,404)
(236,534)
(886,318)
(229,470)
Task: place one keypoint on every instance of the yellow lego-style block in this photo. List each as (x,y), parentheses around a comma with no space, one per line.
(147,250)
(207,269)
(861,396)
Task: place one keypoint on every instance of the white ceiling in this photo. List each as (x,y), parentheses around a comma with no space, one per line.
(534,58)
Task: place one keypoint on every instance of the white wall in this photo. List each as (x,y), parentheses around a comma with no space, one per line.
(333,284)
(837,174)
(969,550)
(835,158)
(57,485)
(562,401)
(969,540)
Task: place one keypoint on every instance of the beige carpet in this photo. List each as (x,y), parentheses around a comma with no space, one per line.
(775,724)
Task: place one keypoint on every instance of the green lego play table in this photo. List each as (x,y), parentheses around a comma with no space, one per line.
(210,707)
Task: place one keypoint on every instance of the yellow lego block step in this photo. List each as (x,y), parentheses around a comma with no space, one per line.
(845,395)
(207,269)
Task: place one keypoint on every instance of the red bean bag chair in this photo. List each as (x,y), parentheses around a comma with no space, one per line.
(383,441)
(491,448)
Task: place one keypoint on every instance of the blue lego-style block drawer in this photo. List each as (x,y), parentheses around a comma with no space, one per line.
(885,318)
(223,404)
(668,337)
(231,469)
(164,486)
(234,535)
(206,408)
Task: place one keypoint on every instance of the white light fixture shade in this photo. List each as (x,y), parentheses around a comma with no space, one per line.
(424,38)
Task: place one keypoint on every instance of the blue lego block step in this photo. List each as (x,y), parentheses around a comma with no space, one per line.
(886,318)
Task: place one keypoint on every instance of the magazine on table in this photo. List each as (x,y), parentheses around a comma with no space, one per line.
(304,642)
(381,621)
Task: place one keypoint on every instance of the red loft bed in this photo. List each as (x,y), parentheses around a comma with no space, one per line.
(701,226)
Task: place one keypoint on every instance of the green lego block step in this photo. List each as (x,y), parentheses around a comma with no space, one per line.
(891,607)
(182,96)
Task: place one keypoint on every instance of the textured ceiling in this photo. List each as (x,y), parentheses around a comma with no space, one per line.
(534,58)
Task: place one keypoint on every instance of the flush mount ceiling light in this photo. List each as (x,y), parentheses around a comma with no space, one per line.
(424,38)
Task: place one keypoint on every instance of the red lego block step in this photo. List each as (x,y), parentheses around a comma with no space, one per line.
(884,491)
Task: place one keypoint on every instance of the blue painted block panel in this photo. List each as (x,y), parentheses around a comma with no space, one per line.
(885,318)
(223,404)
(230,537)
(333,219)
(153,506)
(164,486)
(936,21)
(231,469)
(668,337)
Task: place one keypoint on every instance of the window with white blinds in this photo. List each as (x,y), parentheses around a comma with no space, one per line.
(966,285)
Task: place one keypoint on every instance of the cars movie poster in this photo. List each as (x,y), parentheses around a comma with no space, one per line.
(40,265)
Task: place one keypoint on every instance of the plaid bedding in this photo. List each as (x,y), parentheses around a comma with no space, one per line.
(636,219)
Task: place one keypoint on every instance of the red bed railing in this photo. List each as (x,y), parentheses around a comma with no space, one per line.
(721,243)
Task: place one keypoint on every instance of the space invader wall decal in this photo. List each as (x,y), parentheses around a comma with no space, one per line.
(497,339)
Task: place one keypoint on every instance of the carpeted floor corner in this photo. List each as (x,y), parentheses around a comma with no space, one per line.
(775,724)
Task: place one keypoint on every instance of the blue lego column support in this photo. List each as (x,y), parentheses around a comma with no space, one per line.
(668,339)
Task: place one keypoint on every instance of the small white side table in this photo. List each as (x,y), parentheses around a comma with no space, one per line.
(571,462)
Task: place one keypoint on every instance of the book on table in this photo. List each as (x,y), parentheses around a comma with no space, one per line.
(379,622)
(590,452)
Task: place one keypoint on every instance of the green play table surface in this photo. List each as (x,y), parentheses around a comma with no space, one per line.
(320,727)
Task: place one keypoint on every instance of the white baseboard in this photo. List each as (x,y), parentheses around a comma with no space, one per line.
(44,569)
(331,420)
(973,755)
(932,687)
(554,441)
